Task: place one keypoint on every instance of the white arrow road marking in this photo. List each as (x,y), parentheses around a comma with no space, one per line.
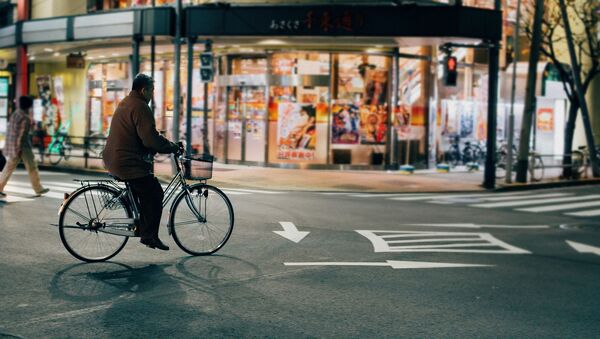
(290,232)
(389,263)
(466,225)
(583,248)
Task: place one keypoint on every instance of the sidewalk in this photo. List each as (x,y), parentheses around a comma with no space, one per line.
(267,178)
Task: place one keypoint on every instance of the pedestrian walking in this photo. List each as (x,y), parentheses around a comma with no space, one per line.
(18,147)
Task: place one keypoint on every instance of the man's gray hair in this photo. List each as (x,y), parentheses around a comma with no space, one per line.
(142,81)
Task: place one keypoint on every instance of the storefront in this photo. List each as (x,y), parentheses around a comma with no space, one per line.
(346,96)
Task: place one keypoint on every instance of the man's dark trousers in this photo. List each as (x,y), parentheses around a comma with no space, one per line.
(150,195)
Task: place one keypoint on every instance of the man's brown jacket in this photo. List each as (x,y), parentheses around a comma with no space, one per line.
(133,139)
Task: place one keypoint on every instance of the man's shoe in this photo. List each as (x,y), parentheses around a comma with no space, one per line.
(2,194)
(43,191)
(155,243)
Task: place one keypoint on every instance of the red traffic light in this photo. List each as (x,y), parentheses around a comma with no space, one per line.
(451,63)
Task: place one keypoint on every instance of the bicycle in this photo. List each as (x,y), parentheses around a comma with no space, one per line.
(580,161)
(97,219)
(535,166)
(60,146)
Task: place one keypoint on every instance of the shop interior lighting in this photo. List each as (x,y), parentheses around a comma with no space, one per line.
(378,46)
(49,50)
(235,46)
(372,50)
(101,56)
(32,58)
(56,54)
(116,54)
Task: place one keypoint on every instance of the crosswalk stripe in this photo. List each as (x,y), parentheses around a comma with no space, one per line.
(250,191)
(560,207)
(551,195)
(587,213)
(451,196)
(535,201)
(14,198)
(51,187)
(234,193)
(62,184)
(387,195)
(15,189)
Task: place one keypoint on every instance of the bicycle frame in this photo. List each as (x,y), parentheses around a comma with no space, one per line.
(175,188)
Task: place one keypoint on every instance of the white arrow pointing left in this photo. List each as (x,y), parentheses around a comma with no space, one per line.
(583,248)
(290,232)
(395,264)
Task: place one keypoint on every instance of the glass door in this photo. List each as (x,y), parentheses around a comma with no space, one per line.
(246,132)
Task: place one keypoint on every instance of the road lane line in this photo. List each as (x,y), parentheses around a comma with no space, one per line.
(563,207)
(251,191)
(535,201)
(453,196)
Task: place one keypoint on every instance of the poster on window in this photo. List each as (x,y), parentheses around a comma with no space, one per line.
(545,119)
(373,126)
(296,132)
(345,123)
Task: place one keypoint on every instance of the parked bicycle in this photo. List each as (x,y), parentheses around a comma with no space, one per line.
(535,166)
(472,152)
(97,219)
(60,145)
(580,160)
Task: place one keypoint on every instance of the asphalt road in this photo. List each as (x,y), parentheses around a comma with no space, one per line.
(496,265)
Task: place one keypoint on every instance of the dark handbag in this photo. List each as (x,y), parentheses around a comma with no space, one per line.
(2,161)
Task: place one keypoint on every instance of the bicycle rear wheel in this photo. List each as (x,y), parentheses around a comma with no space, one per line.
(82,223)
(55,152)
(202,221)
(536,168)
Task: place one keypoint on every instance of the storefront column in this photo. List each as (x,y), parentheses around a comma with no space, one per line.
(392,139)
(22,87)
(489,180)
(188,98)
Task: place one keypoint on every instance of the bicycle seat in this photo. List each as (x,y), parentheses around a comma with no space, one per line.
(582,147)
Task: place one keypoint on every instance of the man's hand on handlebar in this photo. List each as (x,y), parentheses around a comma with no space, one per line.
(180,149)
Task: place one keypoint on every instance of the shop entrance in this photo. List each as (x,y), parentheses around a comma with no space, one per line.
(247,122)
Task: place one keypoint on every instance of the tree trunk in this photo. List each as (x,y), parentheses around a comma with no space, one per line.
(569,133)
(529,110)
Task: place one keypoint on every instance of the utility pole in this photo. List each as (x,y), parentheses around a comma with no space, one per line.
(511,116)
(177,80)
(585,116)
(153,59)
(206,146)
(530,100)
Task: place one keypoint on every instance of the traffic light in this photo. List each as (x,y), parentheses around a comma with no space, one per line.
(450,71)
(207,71)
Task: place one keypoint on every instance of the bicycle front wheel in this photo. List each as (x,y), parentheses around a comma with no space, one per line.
(201,221)
(86,220)
(55,153)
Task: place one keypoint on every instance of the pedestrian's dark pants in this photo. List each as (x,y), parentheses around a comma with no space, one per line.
(149,194)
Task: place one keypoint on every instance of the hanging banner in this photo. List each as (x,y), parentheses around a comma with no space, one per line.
(345,124)
(296,132)
(545,119)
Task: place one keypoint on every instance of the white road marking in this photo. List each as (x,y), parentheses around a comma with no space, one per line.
(290,232)
(529,196)
(13,198)
(44,173)
(552,208)
(587,213)
(383,241)
(469,225)
(252,191)
(535,201)
(51,187)
(14,189)
(234,193)
(387,195)
(63,184)
(449,196)
(583,248)
(389,263)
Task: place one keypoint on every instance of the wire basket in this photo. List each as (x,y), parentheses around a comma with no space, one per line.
(198,167)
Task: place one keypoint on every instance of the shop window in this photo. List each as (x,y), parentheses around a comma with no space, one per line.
(298,112)
(108,84)
(360,107)
(410,113)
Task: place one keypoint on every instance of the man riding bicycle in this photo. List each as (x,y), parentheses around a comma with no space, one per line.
(128,155)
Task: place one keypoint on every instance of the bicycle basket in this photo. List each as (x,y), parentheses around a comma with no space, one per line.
(198,167)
